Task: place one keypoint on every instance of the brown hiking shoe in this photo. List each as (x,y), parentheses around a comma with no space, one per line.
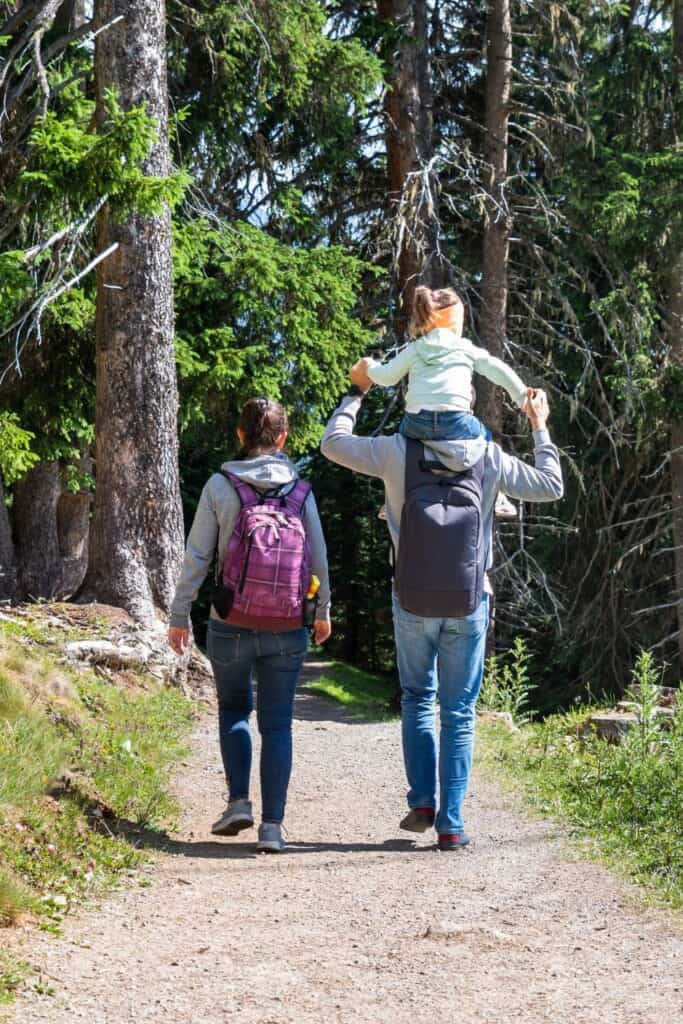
(418,820)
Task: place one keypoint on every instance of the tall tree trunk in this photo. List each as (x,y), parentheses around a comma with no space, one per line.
(72,15)
(136,535)
(73,531)
(408,130)
(8,565)
(494,292)
(34,514)
(675,312)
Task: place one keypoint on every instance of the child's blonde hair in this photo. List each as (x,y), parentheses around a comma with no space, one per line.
(426,303)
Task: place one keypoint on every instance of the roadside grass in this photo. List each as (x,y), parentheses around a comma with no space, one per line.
(364,694)
(78,755)
(12,975)
(621,803)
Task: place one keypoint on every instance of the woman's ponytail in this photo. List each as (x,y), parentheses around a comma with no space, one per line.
(261,423)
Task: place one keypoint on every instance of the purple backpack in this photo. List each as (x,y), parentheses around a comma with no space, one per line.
(267,566)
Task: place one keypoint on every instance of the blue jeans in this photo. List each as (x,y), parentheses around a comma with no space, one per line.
(276,660)
(456,648)
(428,425)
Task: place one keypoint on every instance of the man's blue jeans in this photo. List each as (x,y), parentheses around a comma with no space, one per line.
(276,660)
(444,655)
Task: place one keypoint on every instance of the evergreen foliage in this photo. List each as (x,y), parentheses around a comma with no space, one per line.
(283,275)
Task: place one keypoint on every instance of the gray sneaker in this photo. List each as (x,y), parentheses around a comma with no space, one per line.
(236,817)
(270,838)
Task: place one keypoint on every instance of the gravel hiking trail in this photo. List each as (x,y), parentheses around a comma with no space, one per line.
(356,923)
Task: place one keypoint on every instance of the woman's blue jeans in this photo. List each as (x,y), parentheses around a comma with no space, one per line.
(275,659)
(444,656)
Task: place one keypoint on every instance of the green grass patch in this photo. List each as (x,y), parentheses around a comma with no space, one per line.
(13,972)
(60,843)
(14,898)
(622,802)
(364,694)
(129,744)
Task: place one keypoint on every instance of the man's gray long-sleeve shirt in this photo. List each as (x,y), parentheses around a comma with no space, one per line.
(215,519)
(385,457)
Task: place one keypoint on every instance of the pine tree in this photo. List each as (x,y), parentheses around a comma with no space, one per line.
(136,533)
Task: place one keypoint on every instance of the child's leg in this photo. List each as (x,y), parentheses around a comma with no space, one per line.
(429,425)
(418,425)
(457,426)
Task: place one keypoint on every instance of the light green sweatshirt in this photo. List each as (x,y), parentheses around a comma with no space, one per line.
(440,367)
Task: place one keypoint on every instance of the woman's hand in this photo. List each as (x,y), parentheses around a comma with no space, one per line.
(322,630)
(178,639)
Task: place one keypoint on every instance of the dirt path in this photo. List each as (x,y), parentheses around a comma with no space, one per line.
(356,924)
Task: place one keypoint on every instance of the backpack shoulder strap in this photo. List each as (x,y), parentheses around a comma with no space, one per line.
(247,494)
(414,455)
(296,498)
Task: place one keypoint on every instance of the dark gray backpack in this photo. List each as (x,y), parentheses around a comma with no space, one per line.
(441,555)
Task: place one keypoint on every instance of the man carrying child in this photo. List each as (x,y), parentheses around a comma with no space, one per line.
(441,493)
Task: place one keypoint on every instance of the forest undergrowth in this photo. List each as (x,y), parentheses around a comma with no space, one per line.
(620,802)
(85,761)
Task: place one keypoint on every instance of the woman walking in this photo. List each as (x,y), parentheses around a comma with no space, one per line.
(261,523)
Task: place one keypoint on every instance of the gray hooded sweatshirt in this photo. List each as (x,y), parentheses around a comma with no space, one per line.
(385,457)
(215,518)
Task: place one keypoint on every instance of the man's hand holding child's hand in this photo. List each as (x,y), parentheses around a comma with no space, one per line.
(359,374)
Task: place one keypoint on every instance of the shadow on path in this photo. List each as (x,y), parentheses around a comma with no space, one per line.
(207,849)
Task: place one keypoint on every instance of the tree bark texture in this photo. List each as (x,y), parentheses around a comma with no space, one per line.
(8,565)
(136,536)
(73,531)
(675,312)
(497,225)
(51,528)
(72,15)
(34,514)
(408,114)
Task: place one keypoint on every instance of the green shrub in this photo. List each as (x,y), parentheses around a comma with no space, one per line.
(627,798)
(507,685)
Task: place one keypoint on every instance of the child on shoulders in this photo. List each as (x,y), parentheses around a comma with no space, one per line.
(439,363)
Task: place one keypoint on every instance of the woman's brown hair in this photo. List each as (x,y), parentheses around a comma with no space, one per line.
(261,422)
(425,304)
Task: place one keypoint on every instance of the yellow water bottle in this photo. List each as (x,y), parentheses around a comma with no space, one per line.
(311,601)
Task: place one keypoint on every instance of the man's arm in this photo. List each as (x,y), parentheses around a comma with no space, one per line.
(542,481)
(339,444)
(388,374)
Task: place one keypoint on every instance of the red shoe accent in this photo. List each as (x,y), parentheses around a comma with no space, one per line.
(425,810)
(451,836)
